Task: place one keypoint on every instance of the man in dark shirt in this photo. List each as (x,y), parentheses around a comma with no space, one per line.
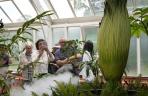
(63,57)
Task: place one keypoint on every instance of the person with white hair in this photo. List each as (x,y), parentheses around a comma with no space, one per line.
(26,58)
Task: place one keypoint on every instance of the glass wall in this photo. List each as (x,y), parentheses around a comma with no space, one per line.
(144,55)
(57,34)
(131,68)
(98,6)
(142,3)
(90,33)
(74,33)
(81,7)
(40,34)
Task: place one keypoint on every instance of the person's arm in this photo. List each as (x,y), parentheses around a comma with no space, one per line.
(62,62)
(68,60)
(77,56)
(51,56)
(36,55)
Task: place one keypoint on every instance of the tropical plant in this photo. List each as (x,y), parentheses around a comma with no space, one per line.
(35,94)
(82,89)
(139,21)
(72,47)
(91,89)
(141,89)
(4,88)
(8,45)
(12,43)
(113,44)
(65,89)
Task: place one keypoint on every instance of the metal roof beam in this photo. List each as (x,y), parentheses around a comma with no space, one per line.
(34,6)
(80,20)
(18,9)
(4,0)
(6,14)
(71,8)
(53,9)
(39,9)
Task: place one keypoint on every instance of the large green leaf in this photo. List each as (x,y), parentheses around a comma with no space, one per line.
(139,21)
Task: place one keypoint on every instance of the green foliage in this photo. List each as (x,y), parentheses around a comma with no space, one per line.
(65,89)
(84,89)
(139,21)
(91,89)
(72,47)
(4,88)
(10,44)
(34,94)
(13,43)
(94,66)
(140,88)
(44,94)
(142,92)
(113,88)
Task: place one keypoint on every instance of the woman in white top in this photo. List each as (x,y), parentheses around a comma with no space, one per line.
(44,56)
(26,58)
(87,56)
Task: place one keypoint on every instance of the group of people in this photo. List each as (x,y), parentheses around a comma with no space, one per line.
(41,60)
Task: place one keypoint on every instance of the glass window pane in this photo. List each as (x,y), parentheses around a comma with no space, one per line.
(130,5)
(98,6)
(144,55)
(12,11)
(39,34)
(73,33)
(131,68)
(44,6)
(142,3)
(4,17)
(62,8)
(90,33)
(58,33)
(26,8)
(81,8)
(7,35)
(47,8)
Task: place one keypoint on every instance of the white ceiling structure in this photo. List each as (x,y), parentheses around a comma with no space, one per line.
(15,12)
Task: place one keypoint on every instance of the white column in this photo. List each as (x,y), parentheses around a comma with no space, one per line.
(82,33)
(138,57)
(66,33)
(50,38)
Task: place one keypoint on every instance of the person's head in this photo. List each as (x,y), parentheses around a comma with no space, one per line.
(88,46)
(4,60)
(40,43)
(28,47)
(62,42)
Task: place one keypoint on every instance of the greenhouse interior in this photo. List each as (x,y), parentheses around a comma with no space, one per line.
(73,48)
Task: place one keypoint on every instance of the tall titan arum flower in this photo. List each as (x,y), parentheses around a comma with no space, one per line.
(114,40)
